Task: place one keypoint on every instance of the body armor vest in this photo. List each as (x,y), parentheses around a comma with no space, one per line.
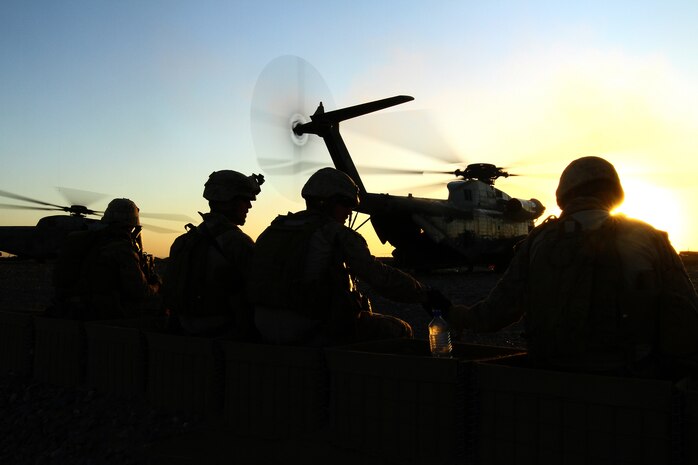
(580,311)
(191,287)
(278,274)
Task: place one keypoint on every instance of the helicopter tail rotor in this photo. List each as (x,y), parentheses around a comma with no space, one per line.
(286,94)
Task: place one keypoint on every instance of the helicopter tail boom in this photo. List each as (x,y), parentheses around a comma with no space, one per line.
(326,125)
(320,118)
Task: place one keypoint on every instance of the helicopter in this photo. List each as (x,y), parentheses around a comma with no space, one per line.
(478,224)
(44,240)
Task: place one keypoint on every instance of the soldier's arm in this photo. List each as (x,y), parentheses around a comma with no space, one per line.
(237,248)
(134,283)
(678,317)
(503,306)
(386,280)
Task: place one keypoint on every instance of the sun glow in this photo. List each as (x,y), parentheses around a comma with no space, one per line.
(661,207)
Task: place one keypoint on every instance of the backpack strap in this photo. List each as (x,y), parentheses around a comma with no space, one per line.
(206,234)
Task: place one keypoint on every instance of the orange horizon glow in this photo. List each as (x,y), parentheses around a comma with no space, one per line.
(658,206)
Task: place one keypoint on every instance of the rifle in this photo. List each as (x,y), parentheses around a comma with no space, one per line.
(147,262)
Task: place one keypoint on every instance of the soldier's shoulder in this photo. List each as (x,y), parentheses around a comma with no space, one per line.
(633,225)
(344,234)
(118,247)
(184,237)
(235,237)
(181,241)
(547,224)
(539,232)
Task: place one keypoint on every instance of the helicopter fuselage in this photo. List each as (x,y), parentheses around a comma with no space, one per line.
(43,240)
(477,224)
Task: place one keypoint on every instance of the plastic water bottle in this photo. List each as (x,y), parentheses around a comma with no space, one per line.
(439,336)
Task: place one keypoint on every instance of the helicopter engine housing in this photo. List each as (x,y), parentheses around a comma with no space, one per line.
(523,210)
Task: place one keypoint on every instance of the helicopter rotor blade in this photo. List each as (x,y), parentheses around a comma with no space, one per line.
(159,229)
(272,119)
(167,217)
(281,167)
(386,170)
(27,199)
(413,130)
(423,187)
(451,172)
(28,207)
(80,197)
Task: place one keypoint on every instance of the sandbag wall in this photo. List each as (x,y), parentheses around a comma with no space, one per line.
(387,399)
(258,390)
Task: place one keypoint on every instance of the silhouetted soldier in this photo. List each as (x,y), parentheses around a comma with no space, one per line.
(303,276)
(102,273)
(204,288)
(600,292)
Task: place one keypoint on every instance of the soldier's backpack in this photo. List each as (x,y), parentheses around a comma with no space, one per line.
(277,269)
(185,275)
(575,292)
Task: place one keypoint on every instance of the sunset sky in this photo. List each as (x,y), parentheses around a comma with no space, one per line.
(145,99)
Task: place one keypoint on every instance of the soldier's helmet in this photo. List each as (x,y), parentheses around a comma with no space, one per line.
(330,182)
(590,175)
(122,211)
(225,185)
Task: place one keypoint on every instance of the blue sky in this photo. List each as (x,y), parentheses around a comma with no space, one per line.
(145,99)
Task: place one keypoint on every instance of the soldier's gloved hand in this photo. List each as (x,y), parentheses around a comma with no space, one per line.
(436,300)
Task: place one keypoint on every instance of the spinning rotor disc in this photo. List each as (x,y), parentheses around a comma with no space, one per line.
(287,92)
(78,200)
